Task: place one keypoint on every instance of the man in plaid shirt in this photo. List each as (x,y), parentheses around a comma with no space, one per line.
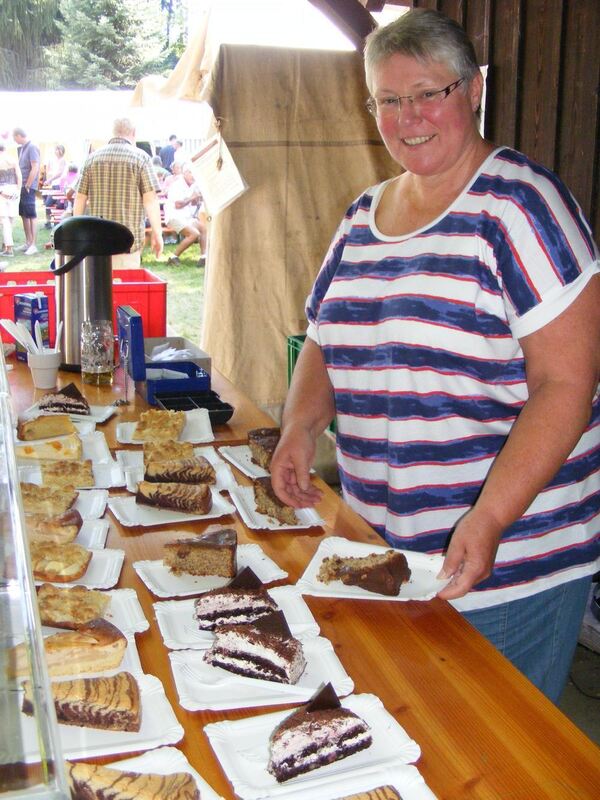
(118,183)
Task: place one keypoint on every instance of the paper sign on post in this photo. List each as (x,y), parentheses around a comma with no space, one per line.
(217,175)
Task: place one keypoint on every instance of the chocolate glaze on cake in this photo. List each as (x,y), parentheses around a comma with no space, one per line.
(262,443)
(244,600)
(316,734)
(383,573)
(264,649)
(268,503)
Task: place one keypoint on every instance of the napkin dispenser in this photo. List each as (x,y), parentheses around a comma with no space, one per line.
(154,377)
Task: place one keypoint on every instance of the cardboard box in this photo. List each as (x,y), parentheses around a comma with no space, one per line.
(31,308)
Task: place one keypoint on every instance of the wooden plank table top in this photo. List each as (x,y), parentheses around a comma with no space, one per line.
(484,731)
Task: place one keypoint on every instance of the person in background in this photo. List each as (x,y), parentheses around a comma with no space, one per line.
(29,164)
(160,172)
(176,171)
(167,153)
(117,182)
(454,331)
(10,191)
(180,156)
(70,189)
(184,213)
(56,173)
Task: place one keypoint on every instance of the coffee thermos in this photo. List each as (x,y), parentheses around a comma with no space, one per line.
(83,269)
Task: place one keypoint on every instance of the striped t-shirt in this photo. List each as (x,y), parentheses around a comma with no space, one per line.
(420,337)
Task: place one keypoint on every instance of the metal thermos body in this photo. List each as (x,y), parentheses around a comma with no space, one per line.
(83,293)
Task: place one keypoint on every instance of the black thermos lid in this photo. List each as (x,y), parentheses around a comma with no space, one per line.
(94,235)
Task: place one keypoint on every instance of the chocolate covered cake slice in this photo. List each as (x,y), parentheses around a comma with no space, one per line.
(262,443)
(68,400)
(181,470)
(245,599)
(110,703)
(383,573)
(268,503)
(176,496)
(212,553)
(264,649)
(95,782)
(316,734)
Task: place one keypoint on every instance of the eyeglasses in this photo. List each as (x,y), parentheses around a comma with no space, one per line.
(390,106)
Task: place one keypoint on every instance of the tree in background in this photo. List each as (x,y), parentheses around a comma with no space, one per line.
(27,28)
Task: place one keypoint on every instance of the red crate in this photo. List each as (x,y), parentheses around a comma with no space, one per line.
(138,288)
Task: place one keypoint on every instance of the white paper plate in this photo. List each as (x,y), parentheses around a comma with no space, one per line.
(202,686)
(91,503)
(242,747)
(93,533)
(197,428)
(159,726)
(166,761)
(163,583)
(103,570)
(241,457)
(180,630)
(106,475)
(243,497)
(423,584)
(129,513)
(132,462)
(95,448)
(97,415)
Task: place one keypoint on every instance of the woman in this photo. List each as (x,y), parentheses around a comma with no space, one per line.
(56,174)
(10,191)
(454,331)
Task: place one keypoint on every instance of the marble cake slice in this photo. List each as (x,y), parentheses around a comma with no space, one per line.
(176,496)
(93,781)
(181,470)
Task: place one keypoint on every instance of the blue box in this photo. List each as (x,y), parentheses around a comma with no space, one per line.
(197,380)
(29,309)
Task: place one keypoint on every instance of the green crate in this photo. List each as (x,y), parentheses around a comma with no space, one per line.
(294,346)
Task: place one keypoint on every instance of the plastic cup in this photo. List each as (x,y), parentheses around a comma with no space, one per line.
(44,368)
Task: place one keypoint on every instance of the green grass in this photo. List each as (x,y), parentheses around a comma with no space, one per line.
(185,289)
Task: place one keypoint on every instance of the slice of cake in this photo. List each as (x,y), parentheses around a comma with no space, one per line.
(383,573)
(95,782)
(264,649)
(111,704)
(68,448)
(44,500)
(158,426)
(316,734)
(212,553)
(262,443)
(58,563)
(181,470)
(70,607)
(54,529)
(379,793)
(44,427)
(94,647)
(245,599)
(176,496)
(167,451)
(68,400)
(268,503)
(68,473)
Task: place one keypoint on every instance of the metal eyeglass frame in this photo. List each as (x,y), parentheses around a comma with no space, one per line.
(395,102)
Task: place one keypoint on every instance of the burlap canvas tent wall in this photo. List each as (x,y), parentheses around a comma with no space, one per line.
(295,123)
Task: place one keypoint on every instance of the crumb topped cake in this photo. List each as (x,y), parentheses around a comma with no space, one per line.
(212,553)
(268,503)
(383,573)
(159,426)
(67,400)
(264,649)
(95,782)
(262,443)
(245,599)
(316,734)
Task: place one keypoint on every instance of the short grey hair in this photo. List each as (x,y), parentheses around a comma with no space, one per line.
(123,127)
(425,35)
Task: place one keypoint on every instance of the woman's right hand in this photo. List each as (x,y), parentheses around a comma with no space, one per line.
(290,468)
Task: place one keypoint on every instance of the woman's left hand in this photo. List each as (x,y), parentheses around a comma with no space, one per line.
(471,554)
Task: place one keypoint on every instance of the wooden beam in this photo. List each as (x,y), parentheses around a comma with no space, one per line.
(350,16)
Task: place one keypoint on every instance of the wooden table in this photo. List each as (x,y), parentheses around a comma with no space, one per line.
(485,732)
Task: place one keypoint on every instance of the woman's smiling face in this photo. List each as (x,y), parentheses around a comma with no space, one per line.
(426,139)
